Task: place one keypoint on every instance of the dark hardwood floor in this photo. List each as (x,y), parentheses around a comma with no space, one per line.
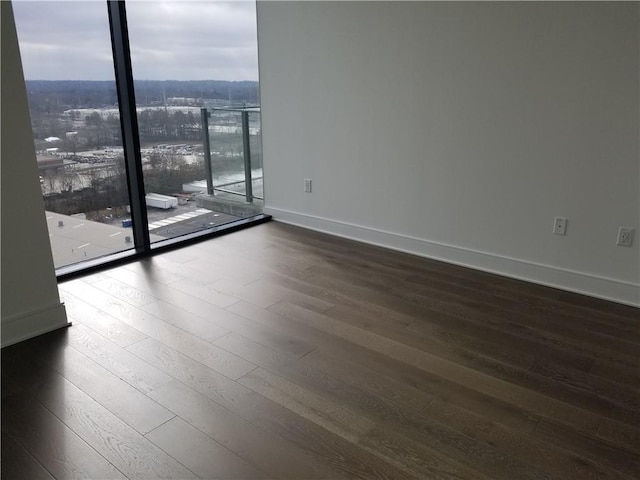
(281,353)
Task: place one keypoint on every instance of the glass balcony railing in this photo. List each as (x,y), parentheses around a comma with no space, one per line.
(233,157)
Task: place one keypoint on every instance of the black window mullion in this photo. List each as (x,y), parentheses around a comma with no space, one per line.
(129,122)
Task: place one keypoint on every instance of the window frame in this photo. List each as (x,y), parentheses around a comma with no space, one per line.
(143,247)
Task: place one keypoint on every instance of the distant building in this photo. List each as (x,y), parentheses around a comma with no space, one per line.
(187,101)
(48,161)
(81,114)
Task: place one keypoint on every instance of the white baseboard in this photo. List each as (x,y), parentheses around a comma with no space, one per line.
(23,326)
(619,291)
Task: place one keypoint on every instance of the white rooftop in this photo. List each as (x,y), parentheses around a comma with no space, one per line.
(78,239)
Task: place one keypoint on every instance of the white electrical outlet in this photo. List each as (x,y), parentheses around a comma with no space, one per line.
(625,236)
(307,185)
(560,226)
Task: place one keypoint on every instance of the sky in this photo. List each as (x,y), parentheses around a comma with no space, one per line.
(169,40)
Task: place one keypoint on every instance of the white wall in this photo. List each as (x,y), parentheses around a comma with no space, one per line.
(29,293)
(459,131)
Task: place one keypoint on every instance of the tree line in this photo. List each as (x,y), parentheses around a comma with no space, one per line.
(56,96)
(97,131)
(101,188)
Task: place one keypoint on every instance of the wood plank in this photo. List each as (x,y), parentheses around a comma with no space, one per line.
(190,323)
(600,306)
(132,295)
(554,383)
(230,322)
(268,255)
(499,411)
(269,319)
(477,455)
(244,266)
(27,364)
(527,447)
(192,373)
(213,265)
(621,435)
(151,326)
(201,453)
(331,449)
(433,385)
(264,294)
(415,303)
(369,380)
(624,375)
(619,396)
(170,313)
(198,269)
(38,360)
(523,303)
(416,457)
(182,299)
(460,348)
(423,271)
(262,297)
(81,307)
(428,432)
(291,281)
(406,267)
(10,385)
(117,360)
(530,332)
(595,332)
(149,269)
(122,446)
(157,290)
(54,445)
(487,384)
(95,277)
(330,415)
(205,292)
(120,398)
(315,380)
(17,462)
(439,325)
(201,350)
(612,457)
(270,453)
(364,316)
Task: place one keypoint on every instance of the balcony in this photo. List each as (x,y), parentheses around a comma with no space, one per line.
(87,207)
(232,147)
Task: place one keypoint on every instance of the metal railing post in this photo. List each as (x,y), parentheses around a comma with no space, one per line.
(204,114)
(247,156)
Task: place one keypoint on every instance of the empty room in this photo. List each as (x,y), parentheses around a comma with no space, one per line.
(320,240)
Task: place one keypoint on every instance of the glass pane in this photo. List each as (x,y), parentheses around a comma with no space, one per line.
(186,56)
(235,154)
(68,67)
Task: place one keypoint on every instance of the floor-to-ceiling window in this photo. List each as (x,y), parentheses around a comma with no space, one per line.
(125,164)
(186,56)
(68,67)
